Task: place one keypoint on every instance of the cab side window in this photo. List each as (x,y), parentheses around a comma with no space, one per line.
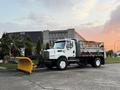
(69,45)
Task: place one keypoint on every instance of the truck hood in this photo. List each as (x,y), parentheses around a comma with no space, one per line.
(51,51)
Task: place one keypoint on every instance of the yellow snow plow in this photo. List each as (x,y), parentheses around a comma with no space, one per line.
(25,64)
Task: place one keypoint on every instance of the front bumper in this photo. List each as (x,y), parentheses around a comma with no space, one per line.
(50,61)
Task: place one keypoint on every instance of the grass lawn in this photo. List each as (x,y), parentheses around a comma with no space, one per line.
(110,60)
(9,66)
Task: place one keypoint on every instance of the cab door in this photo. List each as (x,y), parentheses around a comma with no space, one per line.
(70,48)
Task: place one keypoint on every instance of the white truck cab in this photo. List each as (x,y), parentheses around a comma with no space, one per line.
(64,48)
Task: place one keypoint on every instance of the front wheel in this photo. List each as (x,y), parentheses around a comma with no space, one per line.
(96,62)
(62,64)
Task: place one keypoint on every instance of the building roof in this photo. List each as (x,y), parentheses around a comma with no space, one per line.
(80,36)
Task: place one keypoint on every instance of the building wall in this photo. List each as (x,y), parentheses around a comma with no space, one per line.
(34,35)
(70,33)
(55,35)
(45,36)
(51,36)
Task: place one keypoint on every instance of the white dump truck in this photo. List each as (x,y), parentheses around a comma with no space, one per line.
(68,51)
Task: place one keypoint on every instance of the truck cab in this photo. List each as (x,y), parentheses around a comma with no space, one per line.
(65,48)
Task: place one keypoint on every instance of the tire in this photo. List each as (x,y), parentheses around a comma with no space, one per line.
(49,66)
(62,63)
(96,63)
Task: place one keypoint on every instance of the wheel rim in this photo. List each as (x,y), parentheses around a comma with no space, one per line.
(62,64)
(97,62)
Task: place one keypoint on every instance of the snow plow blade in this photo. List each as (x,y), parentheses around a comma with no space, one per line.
(25,64)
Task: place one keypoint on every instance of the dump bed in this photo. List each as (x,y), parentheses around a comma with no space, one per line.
(90,48)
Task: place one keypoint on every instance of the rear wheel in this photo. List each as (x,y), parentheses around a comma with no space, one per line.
(96,62)
(62,64)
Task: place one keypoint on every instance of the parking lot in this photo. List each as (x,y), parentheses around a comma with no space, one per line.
(74,78)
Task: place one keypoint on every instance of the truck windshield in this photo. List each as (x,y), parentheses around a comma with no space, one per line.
(59,45)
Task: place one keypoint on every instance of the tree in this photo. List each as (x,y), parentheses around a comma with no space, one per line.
(15,51)
(38,47)
(47,46)
(6,44)
(18,42)
(28,46)
(1,52)
(109,52)
(5,47)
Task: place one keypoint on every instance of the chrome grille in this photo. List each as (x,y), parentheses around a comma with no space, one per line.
(45,54)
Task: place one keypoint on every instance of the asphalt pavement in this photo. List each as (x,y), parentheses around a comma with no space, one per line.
(106,77)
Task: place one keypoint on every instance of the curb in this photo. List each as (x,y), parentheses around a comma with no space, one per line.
(3,68)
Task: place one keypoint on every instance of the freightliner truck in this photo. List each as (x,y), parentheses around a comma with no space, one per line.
(69,51)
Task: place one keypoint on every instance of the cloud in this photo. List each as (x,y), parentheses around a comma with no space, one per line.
(115,16)
(107,6)
(51,5)
(77,9)
(117,1)
(32,22)
(42,22)
(109,33)
(5,27)
(112,29)
(113,25)
(57,4)
(82,10)
(91,33)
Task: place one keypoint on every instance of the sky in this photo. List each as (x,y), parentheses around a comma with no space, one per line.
(96,20)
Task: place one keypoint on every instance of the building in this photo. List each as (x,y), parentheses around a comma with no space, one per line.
(48,36)
(51,36)
(34,35)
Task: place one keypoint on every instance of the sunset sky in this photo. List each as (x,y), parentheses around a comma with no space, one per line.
(97,20)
